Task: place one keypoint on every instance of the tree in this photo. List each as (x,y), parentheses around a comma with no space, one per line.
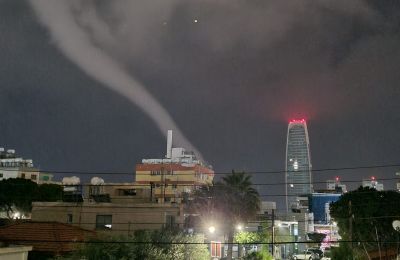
(264,237)
(157,244)
(16,195)
(49,192)
(233,200)
(365,218)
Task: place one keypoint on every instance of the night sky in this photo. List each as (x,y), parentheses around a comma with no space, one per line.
(230,73)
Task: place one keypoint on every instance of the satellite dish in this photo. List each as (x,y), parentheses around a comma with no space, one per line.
(396,225)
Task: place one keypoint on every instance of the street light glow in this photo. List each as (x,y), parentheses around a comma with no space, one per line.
(211,229)
(239,227)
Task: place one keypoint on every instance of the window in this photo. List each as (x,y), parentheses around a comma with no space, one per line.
(69,218)
(94,190)
(129,192)
(103,221)
(33,177)
(169,221)
(23,175)
(1,175)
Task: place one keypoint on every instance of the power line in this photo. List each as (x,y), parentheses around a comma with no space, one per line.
(217,173)
(176,183)
(147,199)
(186,243)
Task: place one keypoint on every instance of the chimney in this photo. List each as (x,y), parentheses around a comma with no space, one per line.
(169,144)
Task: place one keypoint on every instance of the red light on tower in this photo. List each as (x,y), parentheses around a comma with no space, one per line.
(298,121)
(337,179)
(373,178)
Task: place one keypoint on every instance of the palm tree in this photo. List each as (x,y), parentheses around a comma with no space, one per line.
(240,200)
(232,200)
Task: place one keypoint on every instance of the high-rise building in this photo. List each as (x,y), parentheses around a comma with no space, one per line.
(298,162)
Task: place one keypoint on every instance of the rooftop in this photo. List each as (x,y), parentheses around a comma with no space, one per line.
(44,236)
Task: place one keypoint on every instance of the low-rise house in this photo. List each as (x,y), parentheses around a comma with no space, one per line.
(110,217)
(51,238)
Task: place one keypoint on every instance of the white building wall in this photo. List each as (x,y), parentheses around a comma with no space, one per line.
(14,252)
(8,173)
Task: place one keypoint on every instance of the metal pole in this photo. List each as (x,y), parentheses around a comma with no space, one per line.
(351,224)
(273,233)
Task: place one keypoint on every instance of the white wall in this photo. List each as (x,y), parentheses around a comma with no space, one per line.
(14,253)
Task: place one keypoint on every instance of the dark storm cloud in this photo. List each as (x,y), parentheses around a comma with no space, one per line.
(230,81)
(76,44)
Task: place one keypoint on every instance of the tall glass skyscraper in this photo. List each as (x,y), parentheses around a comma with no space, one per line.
(298,162)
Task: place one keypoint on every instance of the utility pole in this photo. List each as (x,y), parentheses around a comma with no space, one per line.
(351,224)
(151,191)
(273,233)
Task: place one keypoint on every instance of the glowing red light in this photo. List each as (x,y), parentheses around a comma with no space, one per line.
(337,178)
(373,178)
(294,121)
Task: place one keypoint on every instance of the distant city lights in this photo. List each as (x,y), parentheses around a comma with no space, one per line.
(295,165)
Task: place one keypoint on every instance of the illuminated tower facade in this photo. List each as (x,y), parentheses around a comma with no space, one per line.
(298,162)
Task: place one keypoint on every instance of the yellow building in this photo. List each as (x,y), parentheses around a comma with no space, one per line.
(175,177)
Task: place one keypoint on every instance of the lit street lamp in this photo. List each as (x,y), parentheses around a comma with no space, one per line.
(239,227)
(211,229)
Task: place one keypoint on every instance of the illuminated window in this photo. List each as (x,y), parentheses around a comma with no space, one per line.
(103,221)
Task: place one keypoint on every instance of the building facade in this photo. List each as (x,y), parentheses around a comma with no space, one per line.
(173,178)
(298,177)
(319,205)
(336,185)
(398,181)
(372,183)
(114,218)
(12,166)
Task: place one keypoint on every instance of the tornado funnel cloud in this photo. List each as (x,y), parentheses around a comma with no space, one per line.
(75,43)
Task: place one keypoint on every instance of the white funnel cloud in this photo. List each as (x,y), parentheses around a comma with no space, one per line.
(76,44)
